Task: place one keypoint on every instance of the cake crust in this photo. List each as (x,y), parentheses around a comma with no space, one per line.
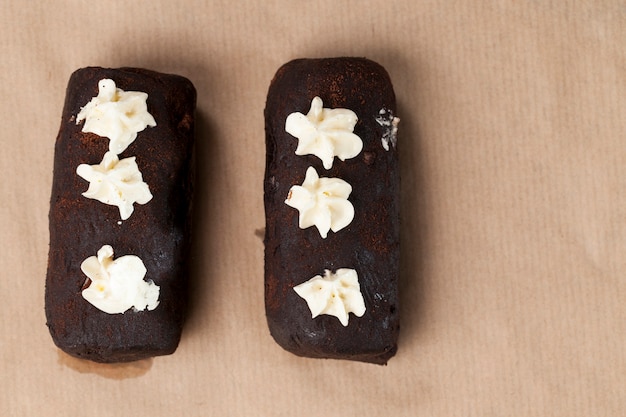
(157,232)
(369,244)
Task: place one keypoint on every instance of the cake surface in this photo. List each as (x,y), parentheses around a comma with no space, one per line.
(369,244)
(157,231)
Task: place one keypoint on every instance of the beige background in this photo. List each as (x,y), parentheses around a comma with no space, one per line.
(514,206)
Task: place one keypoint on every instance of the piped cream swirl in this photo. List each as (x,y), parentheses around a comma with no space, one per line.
(118,285)
(336,294)
(325,133)
(322,202)
(115,182)
(116,114)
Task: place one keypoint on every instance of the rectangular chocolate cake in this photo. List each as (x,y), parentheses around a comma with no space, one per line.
(120,214)
(332,210)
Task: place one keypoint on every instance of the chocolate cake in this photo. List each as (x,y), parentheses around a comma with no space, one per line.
(332,210)
(116,285)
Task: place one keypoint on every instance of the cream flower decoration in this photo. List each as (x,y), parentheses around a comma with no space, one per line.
(118,285)
(117,183)
(116,114)
(325,133)
(336,294)
(322,202)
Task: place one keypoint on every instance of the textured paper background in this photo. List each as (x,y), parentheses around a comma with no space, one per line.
(514,206)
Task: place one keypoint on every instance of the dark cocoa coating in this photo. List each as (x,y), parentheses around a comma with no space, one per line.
(370,244)
(157,232)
